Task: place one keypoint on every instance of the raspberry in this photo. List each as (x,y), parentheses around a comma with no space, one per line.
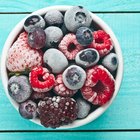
(57,111)
(41,80)
(21,56)
(69,46)
(99,85)
(61,89)
(101,42)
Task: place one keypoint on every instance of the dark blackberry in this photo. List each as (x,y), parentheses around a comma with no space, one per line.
(57,111)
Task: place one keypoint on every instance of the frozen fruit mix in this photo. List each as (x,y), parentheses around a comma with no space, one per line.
(70,67)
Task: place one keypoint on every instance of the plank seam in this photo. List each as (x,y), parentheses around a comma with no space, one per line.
(96,12)
(68,131)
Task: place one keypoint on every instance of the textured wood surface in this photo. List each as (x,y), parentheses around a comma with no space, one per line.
(123,112)
(71,136)
(94,5)
(122,119)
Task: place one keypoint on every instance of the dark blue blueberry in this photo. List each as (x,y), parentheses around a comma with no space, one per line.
(76,17)
(87,57)
(53,36)
(84,36)
(28,109)
(74,77)
(19,88)
(34,21)
(110,61)
(37,38)
(54,17)
(83,108)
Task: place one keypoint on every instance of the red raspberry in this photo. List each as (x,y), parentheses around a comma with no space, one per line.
(69,46)
(101,42)
(61,89)
(99,85)
(21,56)
(41,80)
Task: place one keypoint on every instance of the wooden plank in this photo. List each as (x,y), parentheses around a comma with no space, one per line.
(72,136)
(124,112)
(96,5)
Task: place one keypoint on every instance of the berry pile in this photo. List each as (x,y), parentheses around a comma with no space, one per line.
(61,67)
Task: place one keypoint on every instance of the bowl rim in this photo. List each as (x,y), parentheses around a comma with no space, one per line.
(99,111)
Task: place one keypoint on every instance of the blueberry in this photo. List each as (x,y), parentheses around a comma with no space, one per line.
(110,62)
(87,57)
(53,36)
(54,17)
(34,21)
(74,77)
(83,108)
(76,17)
(37,38)
(57,63)
(84,36)
(28,109)
(19,88)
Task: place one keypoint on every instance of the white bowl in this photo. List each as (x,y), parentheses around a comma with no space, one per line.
(92,116)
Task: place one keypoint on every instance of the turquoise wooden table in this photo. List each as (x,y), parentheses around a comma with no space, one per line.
(122,119)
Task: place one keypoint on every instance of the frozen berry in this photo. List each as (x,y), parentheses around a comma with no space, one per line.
(57,111)
(37,38)
(110,62)
(87,57)
(21,56)
(84,36)
(41,80)
(56,60)
(99,86)
(76,17)
(28,109)
(101,42)
(69,46)
(60,89)
(83,108)
(39,95)
(19,88)
(54,17)
(74,77)
(34,21)
(53,36)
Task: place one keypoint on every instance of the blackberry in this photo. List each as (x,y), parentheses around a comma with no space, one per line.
(57,111)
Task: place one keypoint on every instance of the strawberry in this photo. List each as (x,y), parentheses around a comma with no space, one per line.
(21,56)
